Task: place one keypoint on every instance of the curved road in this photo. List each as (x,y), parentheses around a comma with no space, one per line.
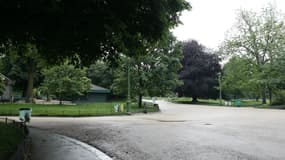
(181,132)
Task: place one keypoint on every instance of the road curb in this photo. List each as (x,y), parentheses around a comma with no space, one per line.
(88,147)
(48,138)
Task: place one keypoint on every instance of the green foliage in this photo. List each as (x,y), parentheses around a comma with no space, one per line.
(65,81)
(23,63)
(259,38)
(101,74)
(153,73)
(238,79)
(279,98)
(90,29)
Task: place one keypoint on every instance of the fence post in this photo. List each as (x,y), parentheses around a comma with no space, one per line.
(6,120)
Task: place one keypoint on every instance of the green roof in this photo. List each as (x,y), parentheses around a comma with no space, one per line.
(97,89)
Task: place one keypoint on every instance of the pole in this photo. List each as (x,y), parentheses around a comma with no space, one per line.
(129,89)
(220,87)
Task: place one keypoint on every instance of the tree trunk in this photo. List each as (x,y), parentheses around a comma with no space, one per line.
(264,96)
(194,99)
(270,95)
(24,91)
(140,86)
(30,83)
(140,100)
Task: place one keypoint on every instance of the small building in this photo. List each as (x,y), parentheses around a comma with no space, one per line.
(7,94)
(95,94)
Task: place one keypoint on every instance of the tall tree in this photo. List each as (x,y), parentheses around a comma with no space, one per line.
(23,63)
(259,37)
(89,29)
(199,73)
(65,81)
(153,73)
(239,79)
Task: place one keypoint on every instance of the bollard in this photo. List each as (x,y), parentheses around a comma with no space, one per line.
(122,107)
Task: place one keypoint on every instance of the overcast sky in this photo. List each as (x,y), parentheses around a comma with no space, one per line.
(208,20)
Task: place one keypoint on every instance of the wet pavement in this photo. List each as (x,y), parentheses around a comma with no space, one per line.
(180,132)
(50,146)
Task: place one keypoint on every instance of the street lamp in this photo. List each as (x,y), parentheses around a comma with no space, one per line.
(129,88)
(220,88)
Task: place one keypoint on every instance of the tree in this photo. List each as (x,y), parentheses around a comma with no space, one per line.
(65,81)
(153,73)
(23,63)
(101,73)
(89,29)
(238,79)
(199,73)
(259,37)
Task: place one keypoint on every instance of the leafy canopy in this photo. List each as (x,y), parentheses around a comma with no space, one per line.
(259,38)
(153,73)
(65,81)
(200,71)
(88,29)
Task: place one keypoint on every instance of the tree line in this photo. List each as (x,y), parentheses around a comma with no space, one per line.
(40,34)
(256,47)
(48,47)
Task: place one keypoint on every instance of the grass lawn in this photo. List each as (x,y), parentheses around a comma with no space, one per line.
(212,102)
(93,109)
(10,137)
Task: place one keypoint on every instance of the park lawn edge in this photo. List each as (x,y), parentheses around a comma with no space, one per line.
(81,110)
(215,103)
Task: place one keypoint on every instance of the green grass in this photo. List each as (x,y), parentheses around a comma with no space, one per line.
(188,100)
(212,102)
(10,137)
(93,109)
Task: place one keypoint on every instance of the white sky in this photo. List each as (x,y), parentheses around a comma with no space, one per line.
(208,20)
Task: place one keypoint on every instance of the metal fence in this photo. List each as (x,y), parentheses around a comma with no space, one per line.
(23,151)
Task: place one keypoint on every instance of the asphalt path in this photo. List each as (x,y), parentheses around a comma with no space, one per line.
(180,132)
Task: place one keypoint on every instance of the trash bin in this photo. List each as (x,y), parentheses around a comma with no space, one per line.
(237,103)
(116,107)
(25,114)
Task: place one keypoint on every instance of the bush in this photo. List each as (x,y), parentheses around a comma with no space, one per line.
(279,98)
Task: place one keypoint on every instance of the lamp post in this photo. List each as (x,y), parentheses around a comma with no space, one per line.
(129,88)
(220,88)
